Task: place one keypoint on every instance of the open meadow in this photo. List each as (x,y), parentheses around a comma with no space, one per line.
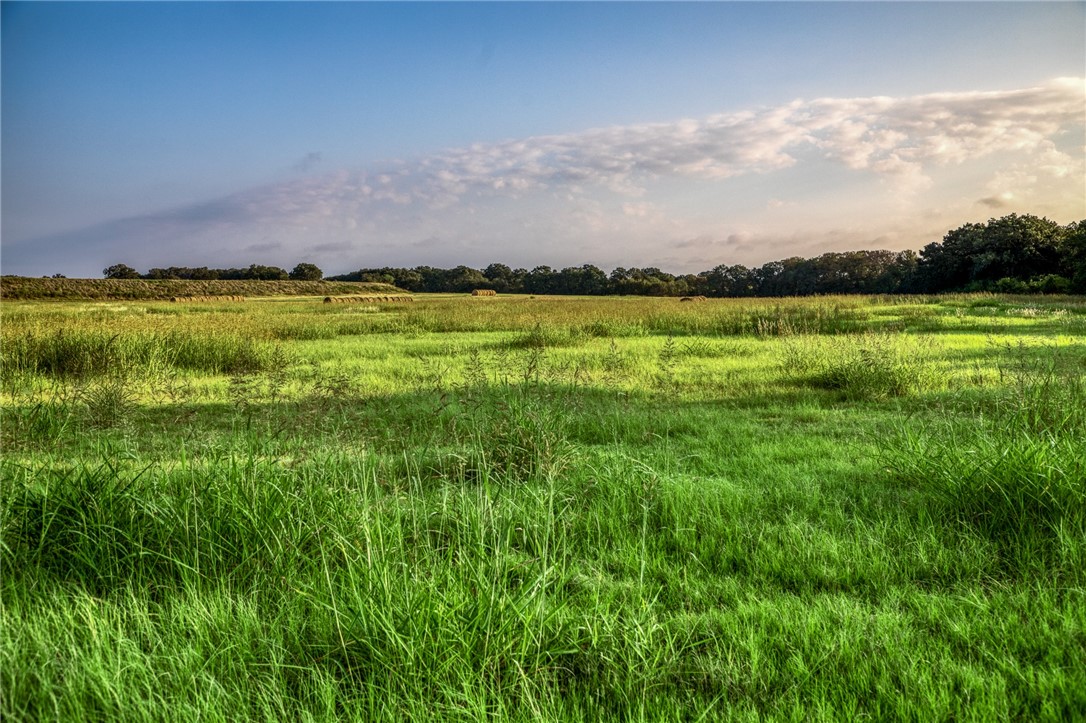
(544,508)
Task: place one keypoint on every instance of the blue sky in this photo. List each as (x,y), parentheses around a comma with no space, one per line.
(679,135)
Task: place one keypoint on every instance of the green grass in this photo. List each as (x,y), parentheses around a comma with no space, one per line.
(544,509)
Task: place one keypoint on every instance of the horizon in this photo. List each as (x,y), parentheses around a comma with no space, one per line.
(679,137)
(478,267)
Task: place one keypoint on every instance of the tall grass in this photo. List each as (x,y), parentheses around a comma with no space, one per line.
(539,509)
(1016,471)
(872,365)
(83,353)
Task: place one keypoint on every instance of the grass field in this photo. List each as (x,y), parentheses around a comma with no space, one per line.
(27,288)
(520,508)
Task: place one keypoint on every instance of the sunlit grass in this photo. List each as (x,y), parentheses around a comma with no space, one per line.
(544,509)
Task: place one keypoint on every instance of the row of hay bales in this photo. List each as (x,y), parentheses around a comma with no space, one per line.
(692,298)
(484,292)
(365,299)
(194,299)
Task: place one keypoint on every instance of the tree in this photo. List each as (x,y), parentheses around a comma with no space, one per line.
(593,280)
(120,271)
(540,280)
(500,277)
(1074,255)
(258,272)
(306,272)
(586,279)
(947,265)
(727,280)
(464,278)
(976,256)
(1020,247)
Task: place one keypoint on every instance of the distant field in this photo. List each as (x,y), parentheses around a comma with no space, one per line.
(22,288)
(552,508)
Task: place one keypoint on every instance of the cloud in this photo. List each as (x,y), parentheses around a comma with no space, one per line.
(333,247)
(895,138)
(264,247)
(598,190)
(898,140)
(1001,201)
(639,210)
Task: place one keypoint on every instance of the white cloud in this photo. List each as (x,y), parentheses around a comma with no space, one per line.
(897,139)
(597,193)
(639,210)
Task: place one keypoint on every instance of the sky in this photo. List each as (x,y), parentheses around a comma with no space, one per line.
(676,135)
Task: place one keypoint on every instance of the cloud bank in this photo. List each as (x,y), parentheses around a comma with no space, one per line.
(653,192)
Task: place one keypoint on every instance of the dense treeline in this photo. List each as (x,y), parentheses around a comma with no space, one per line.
(1013,254)
(862,272)
(255,272)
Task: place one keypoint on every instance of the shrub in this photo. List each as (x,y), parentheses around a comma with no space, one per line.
(1050,284)
(1011,285)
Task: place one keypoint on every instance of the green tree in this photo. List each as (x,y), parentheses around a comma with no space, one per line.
(947,265)
(306,272)
(500,277)
(259,272)
(540,280)
(1074,255)
(1020,247)
(120,271)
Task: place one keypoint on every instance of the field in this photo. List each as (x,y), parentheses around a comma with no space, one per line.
(25,288)
(514,508)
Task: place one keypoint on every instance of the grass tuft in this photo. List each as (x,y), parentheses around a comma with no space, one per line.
(868,366)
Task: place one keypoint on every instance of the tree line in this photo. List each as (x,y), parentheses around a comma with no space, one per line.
(1012,254)
(255,272)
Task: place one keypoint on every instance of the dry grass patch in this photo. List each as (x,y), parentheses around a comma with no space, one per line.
(18,287)
(194,299)
(365,299)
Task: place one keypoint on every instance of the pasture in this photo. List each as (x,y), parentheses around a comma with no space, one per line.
(553,508)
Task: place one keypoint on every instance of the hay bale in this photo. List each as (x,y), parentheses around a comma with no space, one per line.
(484,292)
